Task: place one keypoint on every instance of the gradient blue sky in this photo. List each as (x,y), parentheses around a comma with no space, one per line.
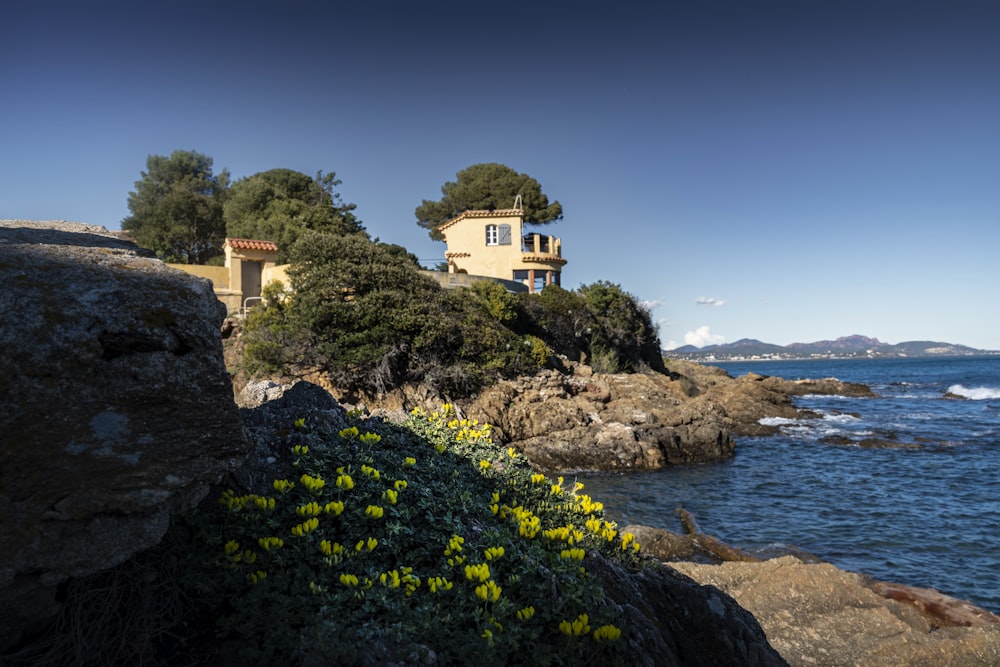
(787,171)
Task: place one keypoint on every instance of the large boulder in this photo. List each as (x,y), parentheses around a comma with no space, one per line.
(815,613)
(116,410)
(579,420)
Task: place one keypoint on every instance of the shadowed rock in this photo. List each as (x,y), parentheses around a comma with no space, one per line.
(116,410)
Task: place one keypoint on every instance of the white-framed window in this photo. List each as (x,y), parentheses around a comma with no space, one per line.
(497,234)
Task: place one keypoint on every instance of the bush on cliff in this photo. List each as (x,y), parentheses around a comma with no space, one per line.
(423,544)
(598,323)
(362,314)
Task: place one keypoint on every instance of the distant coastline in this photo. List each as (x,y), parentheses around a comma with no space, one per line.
(847,347)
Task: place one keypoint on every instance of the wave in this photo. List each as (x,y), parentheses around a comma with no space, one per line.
(777,421)
(974,393)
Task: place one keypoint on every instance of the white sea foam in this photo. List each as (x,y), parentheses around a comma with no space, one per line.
(840,418)
(974,393)
(777,421)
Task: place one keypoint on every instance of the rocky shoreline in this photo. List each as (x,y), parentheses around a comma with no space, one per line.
(122,417)
(572,419)
(814,613)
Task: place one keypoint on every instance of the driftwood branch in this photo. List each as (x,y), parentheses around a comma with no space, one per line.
(710,545)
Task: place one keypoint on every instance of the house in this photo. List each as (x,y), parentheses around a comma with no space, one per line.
(493,244)
(250,264)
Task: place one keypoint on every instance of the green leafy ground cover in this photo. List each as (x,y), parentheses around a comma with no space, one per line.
(421,543)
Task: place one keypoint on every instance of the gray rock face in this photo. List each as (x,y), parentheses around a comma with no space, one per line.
(116,409)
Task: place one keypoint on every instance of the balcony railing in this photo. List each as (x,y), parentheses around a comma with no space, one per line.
(537,244)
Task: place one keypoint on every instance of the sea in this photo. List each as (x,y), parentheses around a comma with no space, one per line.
(924,513)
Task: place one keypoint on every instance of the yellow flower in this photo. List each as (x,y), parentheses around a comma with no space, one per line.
(409,462)
(484,465)
(309,509)
(478,572)
(335,507)
(374,512)
(560,533)
(494,552)
(370,438)
(572,554)
(489,591)
(299,423)
(256,577)
(511,452)
(283,485)
(305,527)
(313,484)
(529,527)
(370,544)
(537,478)
(268,543)
(345,482)
(488,636)
(607,633)
(439,584)
(389,495)
(232,546)
(371,472)
(399,484)
(349,580)
(300,449)
(628,539)
(575,628)
(331,548)
(526,613)
(261,503)
(390,579)
(454,545)
(351,432)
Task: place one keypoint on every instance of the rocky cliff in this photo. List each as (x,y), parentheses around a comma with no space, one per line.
(575,419)
(115,407)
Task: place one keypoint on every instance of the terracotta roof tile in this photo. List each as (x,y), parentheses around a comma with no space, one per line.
(252,244)
(502,213)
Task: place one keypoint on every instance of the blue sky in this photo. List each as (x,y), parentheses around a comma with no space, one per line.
(786,171)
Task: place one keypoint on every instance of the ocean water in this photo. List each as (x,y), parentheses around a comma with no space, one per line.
(927,514)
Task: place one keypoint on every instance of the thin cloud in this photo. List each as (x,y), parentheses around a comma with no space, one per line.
(709,301)
(650,304)
(703,336)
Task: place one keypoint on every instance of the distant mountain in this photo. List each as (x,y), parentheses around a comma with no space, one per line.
(844,347)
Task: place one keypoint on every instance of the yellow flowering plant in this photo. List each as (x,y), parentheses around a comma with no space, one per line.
(458,546)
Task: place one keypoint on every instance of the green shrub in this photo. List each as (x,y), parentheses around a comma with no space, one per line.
(395,544)
(363,315)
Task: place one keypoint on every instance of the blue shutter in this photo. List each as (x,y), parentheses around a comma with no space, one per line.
(504,234)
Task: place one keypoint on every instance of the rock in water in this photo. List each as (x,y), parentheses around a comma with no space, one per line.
(116,409)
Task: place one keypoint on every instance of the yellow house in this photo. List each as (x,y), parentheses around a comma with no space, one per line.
(250,264)
(493,244)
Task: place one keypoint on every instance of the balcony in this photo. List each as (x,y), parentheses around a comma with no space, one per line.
(542,246)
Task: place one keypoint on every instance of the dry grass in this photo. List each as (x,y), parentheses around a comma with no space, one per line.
(133,614)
